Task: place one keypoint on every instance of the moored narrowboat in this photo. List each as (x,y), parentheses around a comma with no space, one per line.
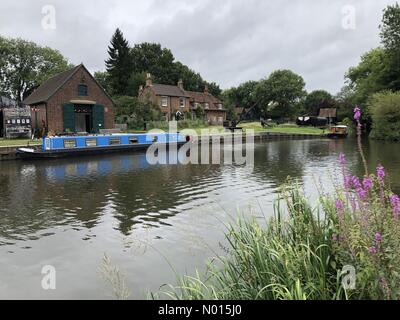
(57,147)
(340,131)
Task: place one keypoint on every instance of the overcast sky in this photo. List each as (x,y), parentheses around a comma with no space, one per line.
(226,41)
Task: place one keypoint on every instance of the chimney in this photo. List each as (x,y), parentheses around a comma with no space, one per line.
(149,82)
(180,84)
(206,89)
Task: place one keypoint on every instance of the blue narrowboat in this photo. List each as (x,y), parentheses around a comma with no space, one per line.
(56,147)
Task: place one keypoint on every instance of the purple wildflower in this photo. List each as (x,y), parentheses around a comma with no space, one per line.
(356,182)
(339,204)
(347,182)
(367,183)
(357,113)
(342,159)
(378,237)
(380,172)
(395,202)
(372,250)
(361,193)
(335,237)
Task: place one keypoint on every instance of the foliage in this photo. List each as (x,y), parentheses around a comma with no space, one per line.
(118,64)
(103,79)
(384,108)
(25,65)
(135,113)
(283,87)
(316,100)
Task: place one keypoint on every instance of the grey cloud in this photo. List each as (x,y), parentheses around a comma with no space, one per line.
(226,41)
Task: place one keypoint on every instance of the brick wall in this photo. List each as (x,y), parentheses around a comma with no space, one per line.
(69,92)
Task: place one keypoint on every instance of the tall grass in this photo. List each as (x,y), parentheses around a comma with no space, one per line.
(290,258)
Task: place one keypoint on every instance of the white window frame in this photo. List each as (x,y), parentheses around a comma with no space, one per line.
(206,106)
(164,101)
(182,102)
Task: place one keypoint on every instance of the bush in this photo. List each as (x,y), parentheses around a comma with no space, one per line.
(384,108)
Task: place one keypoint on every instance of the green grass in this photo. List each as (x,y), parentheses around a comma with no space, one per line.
(284,128)
(18,142)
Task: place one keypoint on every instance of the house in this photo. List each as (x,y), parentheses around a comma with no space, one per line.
(72,101)
(329,113)
(15,119)
(175,102)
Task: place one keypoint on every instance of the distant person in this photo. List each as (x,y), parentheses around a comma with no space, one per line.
(43,129)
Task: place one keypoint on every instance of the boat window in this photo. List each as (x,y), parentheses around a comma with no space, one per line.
(155,139)
(92,142)
(70,143)
(114,141)
(133,140)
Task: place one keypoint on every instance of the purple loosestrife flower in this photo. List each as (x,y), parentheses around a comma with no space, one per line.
(347,181)
(378,237)
(357,113)
(395,202)
(361,193)
(380,172)
(367,183)
(335,237)
(355,182)
(372,250)
(339,204)
(342,159)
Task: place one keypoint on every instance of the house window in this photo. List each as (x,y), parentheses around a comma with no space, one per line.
(164,101)
(206,106)
(182,102)
(82,90)
(220,106)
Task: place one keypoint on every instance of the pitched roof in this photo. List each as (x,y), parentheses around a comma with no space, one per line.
(328,112)
(50,86)
(168,90)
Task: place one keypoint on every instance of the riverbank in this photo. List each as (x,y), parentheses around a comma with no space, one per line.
(8,151)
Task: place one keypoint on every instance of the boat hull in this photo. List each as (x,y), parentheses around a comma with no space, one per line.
(38,154)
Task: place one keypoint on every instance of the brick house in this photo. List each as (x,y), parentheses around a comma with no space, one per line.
(175,100)
(72,101)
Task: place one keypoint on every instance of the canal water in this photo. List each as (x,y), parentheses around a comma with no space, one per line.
(153,222)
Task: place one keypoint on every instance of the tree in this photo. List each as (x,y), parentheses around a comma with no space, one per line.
(136,113)
(369,76)
(280,93)
(390,28)
(390,38)
(384,108)
(25,65)
(316,100)
(103,79)
(119,65)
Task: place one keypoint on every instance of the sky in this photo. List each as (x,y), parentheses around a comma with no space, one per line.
(226,41)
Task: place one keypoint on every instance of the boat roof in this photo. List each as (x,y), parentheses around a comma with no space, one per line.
(340,126)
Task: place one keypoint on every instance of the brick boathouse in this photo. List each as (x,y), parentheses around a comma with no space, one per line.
(71,102)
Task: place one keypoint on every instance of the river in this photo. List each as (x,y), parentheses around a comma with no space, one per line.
(151,221)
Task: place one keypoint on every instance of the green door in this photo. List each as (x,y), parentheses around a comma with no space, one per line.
(69,117)
(98,118)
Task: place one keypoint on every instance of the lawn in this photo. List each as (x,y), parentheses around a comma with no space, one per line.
(18,142)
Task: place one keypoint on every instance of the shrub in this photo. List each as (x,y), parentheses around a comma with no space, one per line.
(384,108)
